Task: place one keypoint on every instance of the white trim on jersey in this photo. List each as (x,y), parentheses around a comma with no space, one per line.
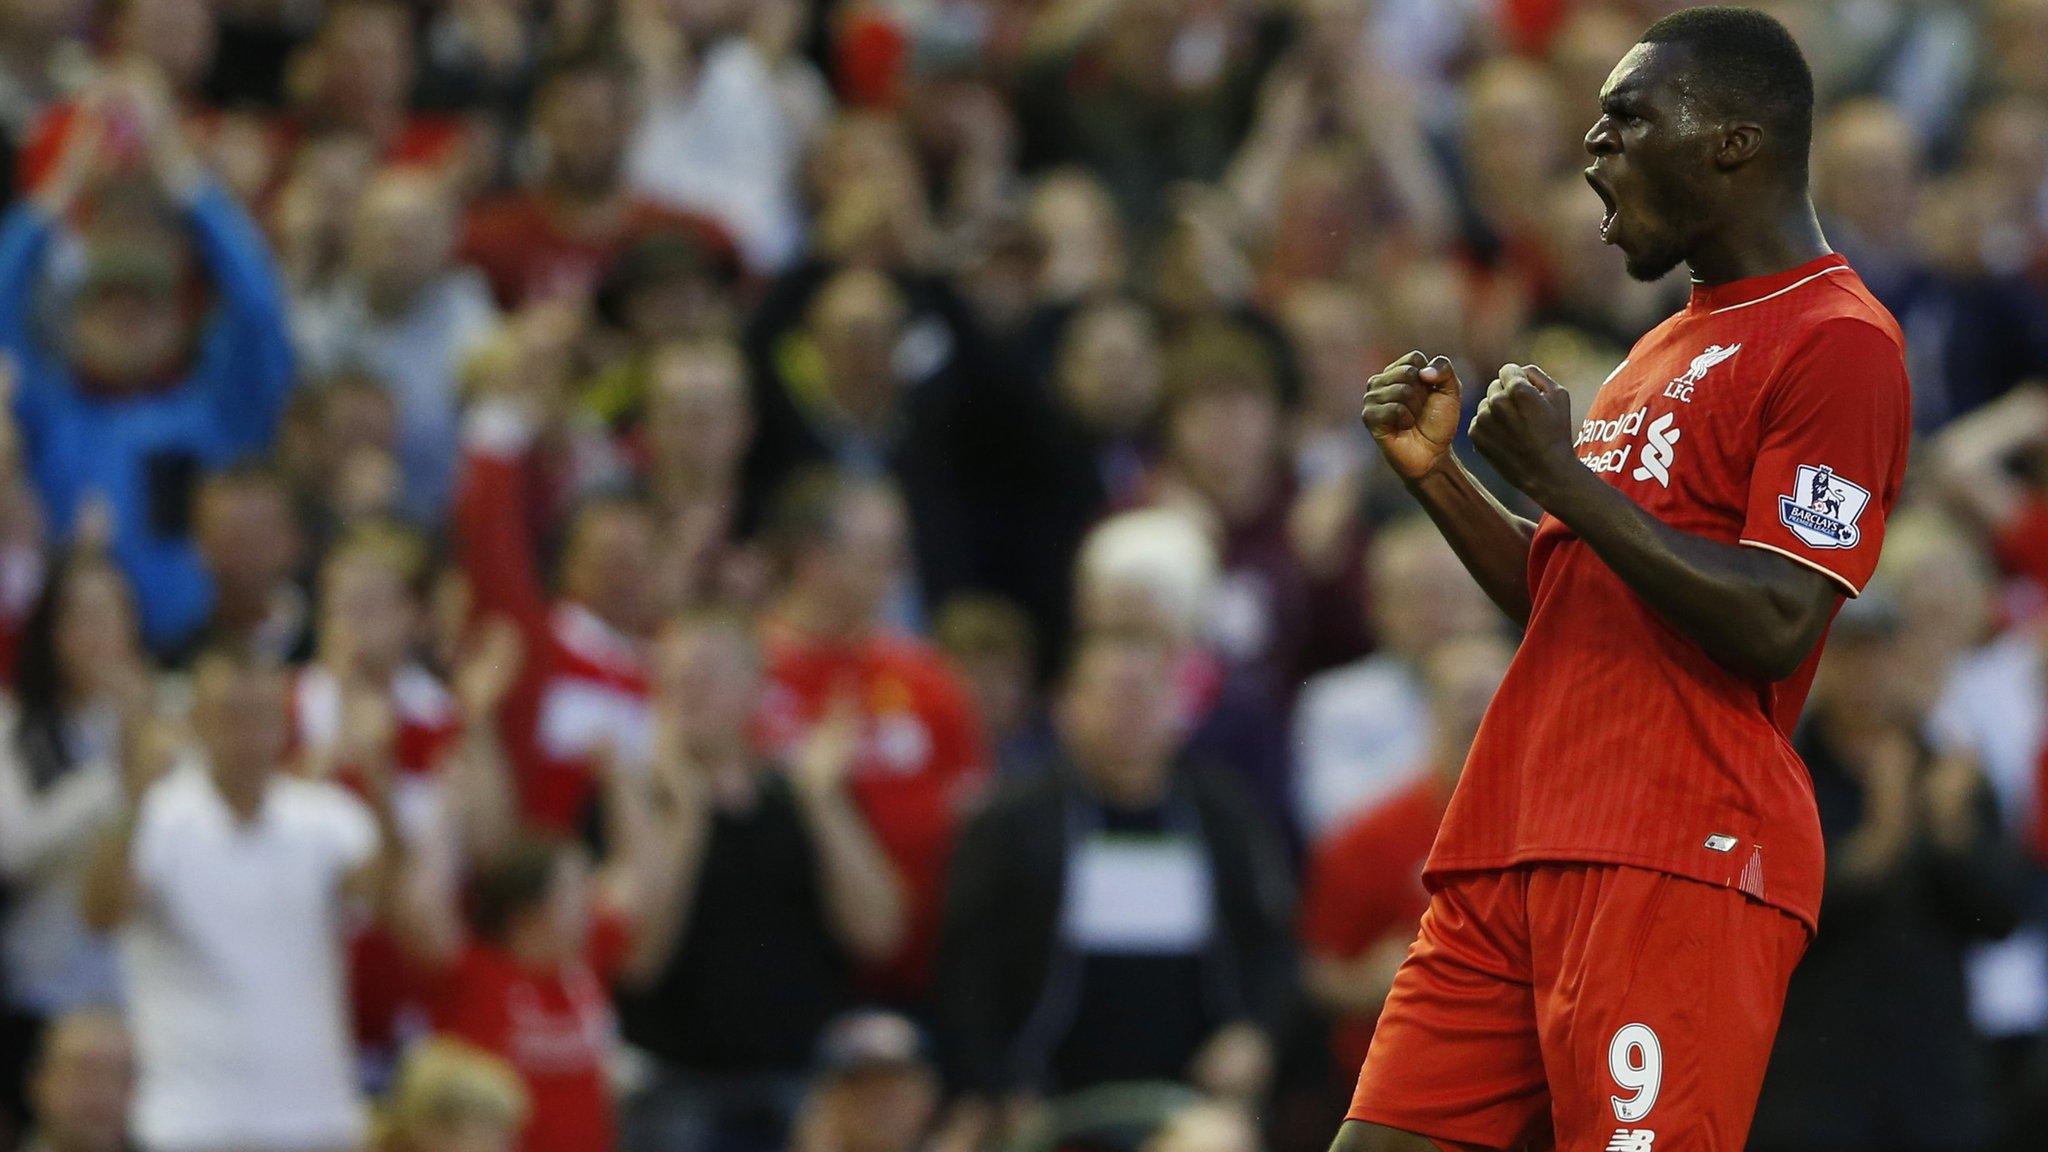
(1823,569)
(1781,291)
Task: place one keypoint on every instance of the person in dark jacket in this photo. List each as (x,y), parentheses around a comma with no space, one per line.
(1122,915)
(1876,1052)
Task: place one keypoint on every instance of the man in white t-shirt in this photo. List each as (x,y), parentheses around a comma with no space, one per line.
(231,883)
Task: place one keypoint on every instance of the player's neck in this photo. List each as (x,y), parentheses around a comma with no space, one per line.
(1760,245)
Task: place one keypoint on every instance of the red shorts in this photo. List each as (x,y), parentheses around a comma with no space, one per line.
(1585,1008)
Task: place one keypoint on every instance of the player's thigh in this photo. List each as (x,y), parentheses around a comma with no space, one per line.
(1657,1010)
(1455,1056)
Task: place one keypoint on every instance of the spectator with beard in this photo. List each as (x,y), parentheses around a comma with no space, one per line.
(557,235)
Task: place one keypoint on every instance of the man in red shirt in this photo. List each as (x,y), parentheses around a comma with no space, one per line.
(1365,890)
(1631,864)
(582,689)
(921,748)
(556,237)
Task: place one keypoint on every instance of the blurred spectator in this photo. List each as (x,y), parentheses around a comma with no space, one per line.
(1117,916)
(366,709)
(556,236)
(1337,334)
(1145,93)
(451,1097)
(547,935)
(694,431)
(249,539)
(731,111)
(1155,570)
(666,288)
(1991,467)
(230,882)
(862,386)
(1514,137)
(1086,250)
(874,1088)
(1867,176)
(82,693)
(172,40)
(989,640)
(337,453)
(1362,731)
(582,692)
(1271,619)
(314,214)
(83,1085)
(1077,445)
(1364,896)
(782,890)
(921,751)
(1917,866)
(33,34)
(356,76)
(141,394)
(403,313)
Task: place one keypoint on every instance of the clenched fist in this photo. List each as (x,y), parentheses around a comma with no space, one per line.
(1412,411)
(1524,428)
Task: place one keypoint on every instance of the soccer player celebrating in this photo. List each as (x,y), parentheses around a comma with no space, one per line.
(1631,864)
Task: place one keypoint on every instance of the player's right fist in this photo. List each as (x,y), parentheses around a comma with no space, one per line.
(1412,411)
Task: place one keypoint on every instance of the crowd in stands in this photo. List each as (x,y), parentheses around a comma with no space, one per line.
(760,575)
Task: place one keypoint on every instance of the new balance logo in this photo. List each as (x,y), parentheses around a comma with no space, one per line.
(1631,1140)
(1656,457)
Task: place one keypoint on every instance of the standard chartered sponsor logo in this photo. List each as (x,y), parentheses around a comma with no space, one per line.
(1657,453)
(1601,431)
(1657,449)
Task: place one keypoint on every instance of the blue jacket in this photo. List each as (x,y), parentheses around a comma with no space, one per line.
(131,449)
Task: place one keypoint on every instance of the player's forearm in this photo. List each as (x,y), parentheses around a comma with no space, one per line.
(1755,613)
(1492,541)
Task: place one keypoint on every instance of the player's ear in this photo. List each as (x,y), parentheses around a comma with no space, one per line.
(1740,143)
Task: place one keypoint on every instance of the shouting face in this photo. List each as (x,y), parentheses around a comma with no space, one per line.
(1653,154)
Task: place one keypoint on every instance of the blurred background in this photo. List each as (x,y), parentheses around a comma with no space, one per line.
(742,575)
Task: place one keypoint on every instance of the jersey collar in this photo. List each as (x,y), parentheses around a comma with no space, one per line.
(1737,293)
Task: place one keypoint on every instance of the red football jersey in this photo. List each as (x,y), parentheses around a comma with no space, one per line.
(922,754)
(554,1025)
(1772,412)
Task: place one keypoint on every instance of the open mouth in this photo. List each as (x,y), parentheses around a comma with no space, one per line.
(1606,195)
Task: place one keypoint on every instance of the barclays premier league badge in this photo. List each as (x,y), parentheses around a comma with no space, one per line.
(1823,508)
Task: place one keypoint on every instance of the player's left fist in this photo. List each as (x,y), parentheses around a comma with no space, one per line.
(1524,428)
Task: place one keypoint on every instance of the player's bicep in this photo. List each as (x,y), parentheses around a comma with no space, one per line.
(1830,454)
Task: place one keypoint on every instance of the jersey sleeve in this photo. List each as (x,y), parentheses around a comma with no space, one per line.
(1831,452)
